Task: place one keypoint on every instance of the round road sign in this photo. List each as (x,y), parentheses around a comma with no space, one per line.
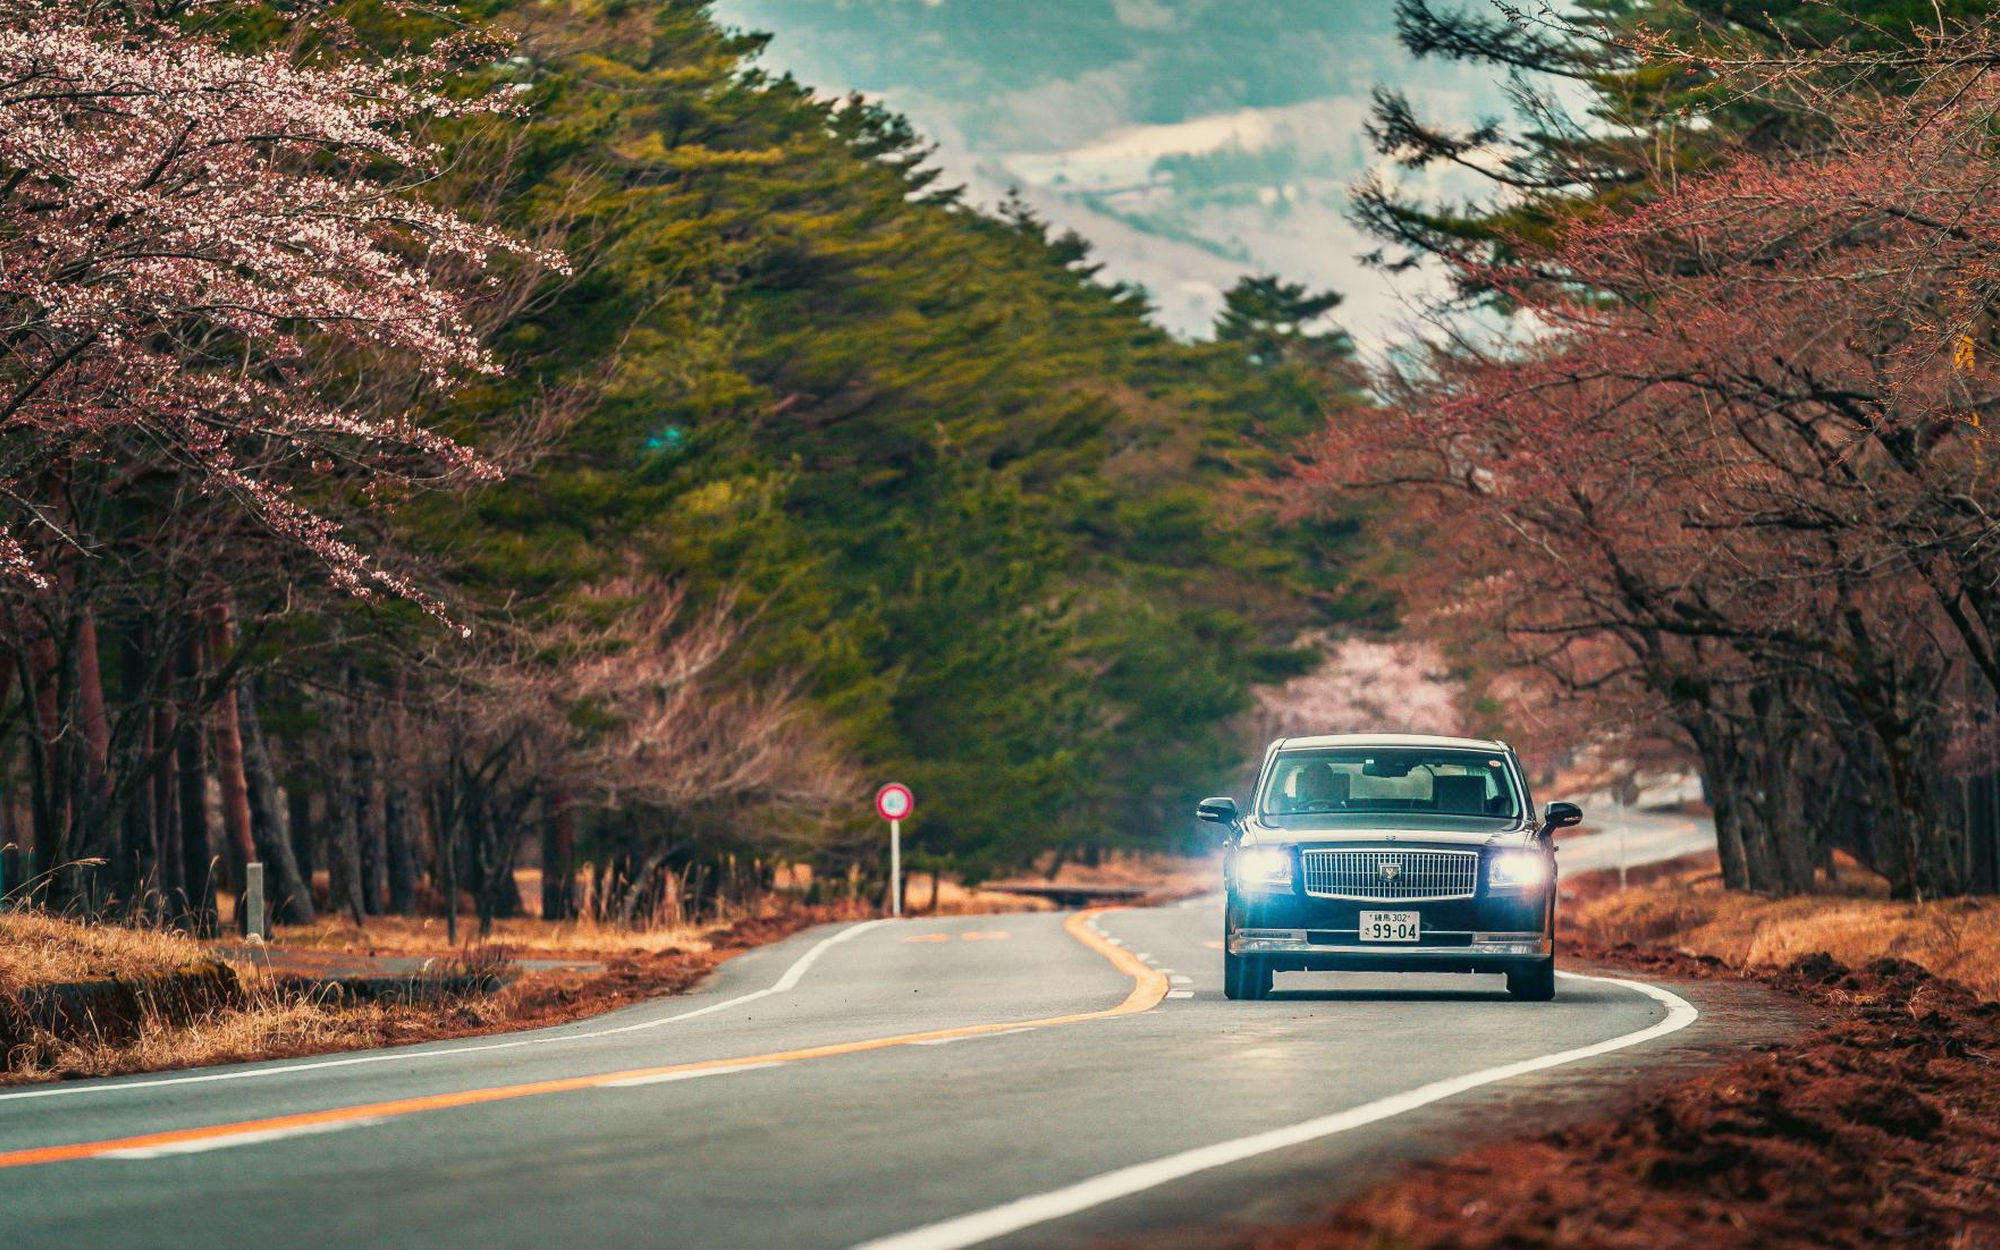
(893,801)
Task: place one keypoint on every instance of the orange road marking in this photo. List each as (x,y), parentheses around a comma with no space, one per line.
(997,935)
(928,937)
(1148,988)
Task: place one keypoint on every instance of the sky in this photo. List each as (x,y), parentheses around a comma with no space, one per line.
(1191,141)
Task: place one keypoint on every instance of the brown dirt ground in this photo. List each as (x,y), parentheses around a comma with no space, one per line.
(1880,1125)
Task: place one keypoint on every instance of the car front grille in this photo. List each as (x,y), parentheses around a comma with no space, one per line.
(1391,876)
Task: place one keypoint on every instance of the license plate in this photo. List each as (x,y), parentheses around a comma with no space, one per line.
(1390,926)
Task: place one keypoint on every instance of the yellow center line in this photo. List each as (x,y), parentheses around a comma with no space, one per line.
(1148,988)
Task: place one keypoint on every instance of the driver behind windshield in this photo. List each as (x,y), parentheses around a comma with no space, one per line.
(1319,788)
(1442,782)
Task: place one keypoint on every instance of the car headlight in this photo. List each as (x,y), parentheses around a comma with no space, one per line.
(1517,870)
(1264,868)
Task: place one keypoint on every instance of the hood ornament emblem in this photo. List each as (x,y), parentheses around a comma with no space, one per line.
(1390,869)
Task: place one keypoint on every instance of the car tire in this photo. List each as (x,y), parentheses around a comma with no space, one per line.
(1245,978)
(1533,983)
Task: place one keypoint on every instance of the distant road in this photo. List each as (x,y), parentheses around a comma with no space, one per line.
(1637,834)
(1021,1080)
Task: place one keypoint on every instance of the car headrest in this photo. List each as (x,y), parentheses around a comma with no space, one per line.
(1461,795)
(1320,783)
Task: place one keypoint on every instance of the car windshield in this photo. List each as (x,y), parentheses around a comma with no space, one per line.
(1423,780)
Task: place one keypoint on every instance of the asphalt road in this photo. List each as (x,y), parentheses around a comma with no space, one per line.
(1633,836)
(1016,1080)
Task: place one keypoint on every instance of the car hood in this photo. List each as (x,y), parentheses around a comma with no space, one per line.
(1431,830)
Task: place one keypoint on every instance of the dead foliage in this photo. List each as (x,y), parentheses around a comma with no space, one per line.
(1683,908)
(1882,1127)
(285,1016)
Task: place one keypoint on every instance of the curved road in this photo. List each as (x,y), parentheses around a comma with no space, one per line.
(1635,836)
(1025,1080)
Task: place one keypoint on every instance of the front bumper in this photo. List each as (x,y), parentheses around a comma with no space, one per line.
(1492,932)
(1301,950)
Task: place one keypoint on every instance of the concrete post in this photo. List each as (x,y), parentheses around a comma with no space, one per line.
(253,901)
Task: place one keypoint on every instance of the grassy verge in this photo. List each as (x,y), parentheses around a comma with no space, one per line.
(1880,1125)
(39,950)
(267,1016)
(1683,907)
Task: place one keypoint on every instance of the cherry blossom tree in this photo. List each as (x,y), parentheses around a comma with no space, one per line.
(224,305)
(633,708)
(1742,470)
(198,248)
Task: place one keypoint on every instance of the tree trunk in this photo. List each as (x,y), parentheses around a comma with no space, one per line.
(343,857)
(197,858)
(49,796)
(343,845)
(96,837)
(401,855)
(369,823)
(168,869)
(226,735)
(444,831)
(558,857)
(305,839)
(136,837)
(269,822)
(12,861)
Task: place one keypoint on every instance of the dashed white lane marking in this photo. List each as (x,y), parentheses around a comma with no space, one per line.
(1146,958)
(662,1078)
(784,985)
(1181,980)
(1180,993)
(978,1226)
(224,1143)
(946,1041)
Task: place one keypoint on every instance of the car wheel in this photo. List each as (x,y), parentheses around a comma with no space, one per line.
(1534,983)
(1245,978)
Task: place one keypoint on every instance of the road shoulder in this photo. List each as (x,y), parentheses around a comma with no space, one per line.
(1876,1120)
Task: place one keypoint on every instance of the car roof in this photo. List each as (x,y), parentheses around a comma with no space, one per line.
(1390,740)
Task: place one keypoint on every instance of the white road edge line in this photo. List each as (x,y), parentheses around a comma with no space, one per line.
(784,984)
(224,1143)
(978,1226)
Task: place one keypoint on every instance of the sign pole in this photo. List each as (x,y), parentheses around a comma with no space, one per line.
(892,803)
(896,868)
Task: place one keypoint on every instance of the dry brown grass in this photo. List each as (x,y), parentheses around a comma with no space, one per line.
(40,950)
(526,936)
(1161,876)
(280,1019)
(1689,911)
(270,1028)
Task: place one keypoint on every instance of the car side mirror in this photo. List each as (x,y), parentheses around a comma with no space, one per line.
(1560,816)
(1220,811)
